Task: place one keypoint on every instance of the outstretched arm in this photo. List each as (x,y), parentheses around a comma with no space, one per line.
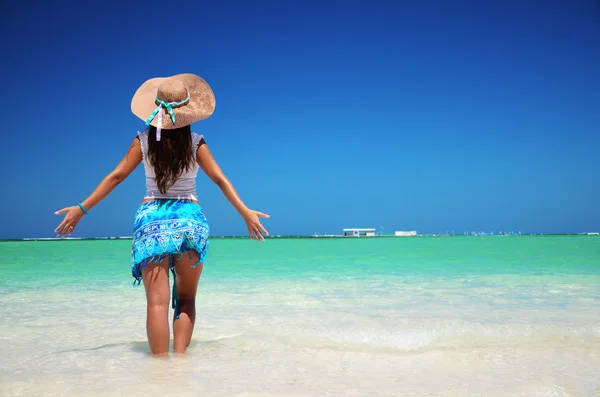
(132,159)
(213,171)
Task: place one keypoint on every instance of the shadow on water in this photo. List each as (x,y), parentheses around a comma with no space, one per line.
(143,347)
(139,347)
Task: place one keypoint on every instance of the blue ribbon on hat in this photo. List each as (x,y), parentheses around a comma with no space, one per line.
(169,106)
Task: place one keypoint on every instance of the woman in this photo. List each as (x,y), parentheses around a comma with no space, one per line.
(170,230)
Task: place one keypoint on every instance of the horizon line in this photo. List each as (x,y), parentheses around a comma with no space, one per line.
(473,234)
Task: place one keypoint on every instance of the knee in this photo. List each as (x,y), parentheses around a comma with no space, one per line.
(187,304)
(158,300)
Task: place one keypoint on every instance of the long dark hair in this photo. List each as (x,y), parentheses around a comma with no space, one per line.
(171,156)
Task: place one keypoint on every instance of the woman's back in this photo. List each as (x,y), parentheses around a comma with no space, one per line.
(184,185)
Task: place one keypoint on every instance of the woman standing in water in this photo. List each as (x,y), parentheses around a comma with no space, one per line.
(170,230)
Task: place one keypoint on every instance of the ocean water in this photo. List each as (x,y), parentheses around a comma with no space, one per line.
(417,316)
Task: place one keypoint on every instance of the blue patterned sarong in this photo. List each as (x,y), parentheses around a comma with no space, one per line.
(164,228)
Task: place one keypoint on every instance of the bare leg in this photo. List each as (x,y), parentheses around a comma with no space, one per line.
(156,283)
(187,284)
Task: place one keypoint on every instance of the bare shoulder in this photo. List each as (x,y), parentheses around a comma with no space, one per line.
(198,142)
(129,162)
(207,162)
(136,143)
(202,150)
(197,139)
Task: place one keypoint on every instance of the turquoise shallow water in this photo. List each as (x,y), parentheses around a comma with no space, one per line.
(452,316)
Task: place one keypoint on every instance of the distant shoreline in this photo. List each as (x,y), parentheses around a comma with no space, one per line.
(308,237)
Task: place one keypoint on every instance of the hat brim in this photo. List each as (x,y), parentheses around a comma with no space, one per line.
(200,106)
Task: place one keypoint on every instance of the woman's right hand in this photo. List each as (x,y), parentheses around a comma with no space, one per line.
(72,217)
(255,229)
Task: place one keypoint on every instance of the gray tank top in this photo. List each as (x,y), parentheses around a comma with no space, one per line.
(183,188)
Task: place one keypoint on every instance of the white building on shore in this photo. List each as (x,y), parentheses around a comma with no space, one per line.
(359,232)
(401,233)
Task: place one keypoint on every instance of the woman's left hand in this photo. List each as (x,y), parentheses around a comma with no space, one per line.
(67,226)
(255,229)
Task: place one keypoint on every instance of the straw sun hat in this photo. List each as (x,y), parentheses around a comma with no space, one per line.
(173,102)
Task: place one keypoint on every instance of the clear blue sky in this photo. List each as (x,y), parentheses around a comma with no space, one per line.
(424,115)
